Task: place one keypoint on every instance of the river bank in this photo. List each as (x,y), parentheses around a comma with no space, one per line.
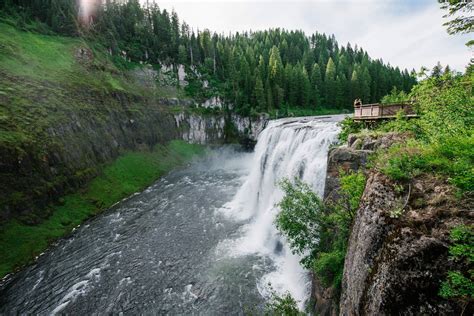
(20,242)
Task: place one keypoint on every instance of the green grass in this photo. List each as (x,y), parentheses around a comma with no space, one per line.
(32,55)
(132,172)
(39,58)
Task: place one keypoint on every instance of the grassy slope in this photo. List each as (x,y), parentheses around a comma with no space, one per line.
(37,74)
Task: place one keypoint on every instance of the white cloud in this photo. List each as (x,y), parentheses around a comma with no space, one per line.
(408,34)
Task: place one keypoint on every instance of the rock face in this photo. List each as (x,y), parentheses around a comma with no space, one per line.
(398,249)
(396,260)
(206,129)
(70,151)
(345,158)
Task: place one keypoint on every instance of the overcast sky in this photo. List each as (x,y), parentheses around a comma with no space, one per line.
(405,33)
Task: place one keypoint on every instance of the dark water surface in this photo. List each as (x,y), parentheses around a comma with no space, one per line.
(154,253)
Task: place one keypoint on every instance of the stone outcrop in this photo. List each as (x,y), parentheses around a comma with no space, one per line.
(215,129)
(345,158)
(398,249)
(397,256)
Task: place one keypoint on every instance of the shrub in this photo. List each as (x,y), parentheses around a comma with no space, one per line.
(301,219)
(459,285)
(445,107)
(284,305)
(320,231)
(453,158)
(329,266)
(395,96)
(349,126)
(401,124)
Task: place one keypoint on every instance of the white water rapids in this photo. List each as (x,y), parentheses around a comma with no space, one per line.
(287,148)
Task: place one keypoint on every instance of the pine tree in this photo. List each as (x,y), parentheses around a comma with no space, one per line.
(316,86)
(330,83)
(260,94)
(275,66)
(365,85)
(356,88)
(437,70)
(305,88)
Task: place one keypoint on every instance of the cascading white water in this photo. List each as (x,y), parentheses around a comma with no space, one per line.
(286,148)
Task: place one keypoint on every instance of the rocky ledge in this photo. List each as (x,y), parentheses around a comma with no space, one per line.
(398,249)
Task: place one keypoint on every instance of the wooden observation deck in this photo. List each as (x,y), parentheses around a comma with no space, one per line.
(377,111)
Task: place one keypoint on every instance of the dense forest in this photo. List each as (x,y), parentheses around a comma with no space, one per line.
(252,71)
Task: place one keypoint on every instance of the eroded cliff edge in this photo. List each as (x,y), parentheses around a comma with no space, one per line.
(67,145)
(398,249)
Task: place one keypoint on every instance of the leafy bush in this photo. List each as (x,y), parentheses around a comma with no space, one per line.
(446,107)
(284,305)
(352,188)
(320,231)
(301,219)
(401,124)
(349,126)
(454,158)
(395,96)
(459,285)
(329,267)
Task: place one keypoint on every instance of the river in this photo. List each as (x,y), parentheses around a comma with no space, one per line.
(201,240)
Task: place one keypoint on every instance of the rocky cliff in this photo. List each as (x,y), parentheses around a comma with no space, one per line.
(69,150)
(398,249)
(215,129)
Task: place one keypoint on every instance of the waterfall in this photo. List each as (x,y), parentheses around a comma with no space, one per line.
(286,148)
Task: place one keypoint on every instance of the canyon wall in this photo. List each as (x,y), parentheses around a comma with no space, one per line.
(96,128)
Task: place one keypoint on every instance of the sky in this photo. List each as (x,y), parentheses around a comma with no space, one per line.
(404,33)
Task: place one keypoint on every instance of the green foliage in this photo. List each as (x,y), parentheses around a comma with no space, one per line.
(463,243)
(459,285)
(301,218)
(329,267)
(51,58)
(320,231)
(395,96)
(286,111)
(282,305)
(401,124)
(443,134)
(352,187)
(20,243)
(349,126)
(460,23)
(445,106)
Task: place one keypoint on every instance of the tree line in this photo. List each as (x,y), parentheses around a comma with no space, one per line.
(252,71)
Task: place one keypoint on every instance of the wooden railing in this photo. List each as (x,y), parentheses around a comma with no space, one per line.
(382,111)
